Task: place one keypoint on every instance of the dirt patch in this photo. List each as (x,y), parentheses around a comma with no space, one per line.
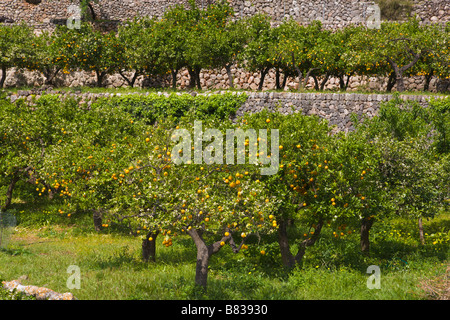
(438,288)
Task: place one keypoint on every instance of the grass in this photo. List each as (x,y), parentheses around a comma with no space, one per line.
(125,90)
(45,244)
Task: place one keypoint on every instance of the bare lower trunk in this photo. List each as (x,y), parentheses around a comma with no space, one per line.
(400,83)
(261,80)
(366,224)
(308,242)
(149,247)
(204,253)
(308,74)
(399,71)
(97,217)
(192,78)
(9,192)
(324,81)
(201,268)
(421,236)
(428,77)
(343,84)
(230,76)
(131,81)
(391,82)
(288,259)
(50,75)
(277,79)
(286,255)
(174,78)
(285,76)
(197,78)
(100,76)
(3,78)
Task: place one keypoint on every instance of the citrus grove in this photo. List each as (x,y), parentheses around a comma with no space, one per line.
(117,164)
(209,38)
(117,159)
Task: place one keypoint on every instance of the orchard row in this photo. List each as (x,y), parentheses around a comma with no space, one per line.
(199,39)
(115,159)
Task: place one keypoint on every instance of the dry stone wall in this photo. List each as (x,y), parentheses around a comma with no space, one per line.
(334,107)
(333,13)
(209,79)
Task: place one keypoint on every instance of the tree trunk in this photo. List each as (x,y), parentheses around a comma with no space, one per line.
(316,83)
(263,75)
(301,86)
(204,253)
(50,75)
(230,76)
(149,247)
(100,76)
(9,192)
(391,82)
(428,77)
(308,74)
(366,224)
(343,84)
(192,78)
(400,70)
(308,242)
(277,78)
(286,256)
(324,81)
(197,78)
(400,82)
(3,78)
(285,76)
(422,238)
(131,81)
(97,216)
(201,269)
(174,78)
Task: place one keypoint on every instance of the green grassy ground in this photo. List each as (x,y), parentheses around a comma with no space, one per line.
(45,245)
(125,90)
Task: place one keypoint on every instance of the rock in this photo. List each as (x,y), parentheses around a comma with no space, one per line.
(13,98)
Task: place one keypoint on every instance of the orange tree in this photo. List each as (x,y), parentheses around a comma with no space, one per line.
(362,191)
(305,191)
(170,38)
(212,202)
(363,58)
(401,45)
(136,52)
(225,39)
(84,151)
(15,48)
(414,150)
(124,167)
(90,50)
(436,59)
(50,54)
(29,134)
(259,54)
(298,49)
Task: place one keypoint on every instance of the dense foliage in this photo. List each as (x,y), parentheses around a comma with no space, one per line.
(117,159)
(198,39)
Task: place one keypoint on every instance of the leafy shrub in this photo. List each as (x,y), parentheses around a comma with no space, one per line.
(395,9)
(154,107)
